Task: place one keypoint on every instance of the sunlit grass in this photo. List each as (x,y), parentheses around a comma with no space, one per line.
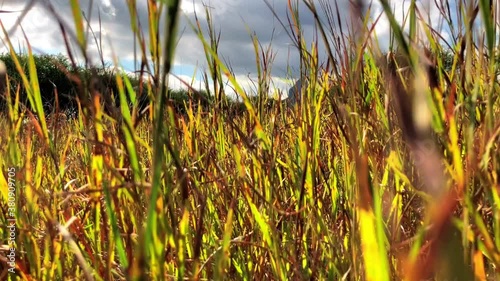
(387,169)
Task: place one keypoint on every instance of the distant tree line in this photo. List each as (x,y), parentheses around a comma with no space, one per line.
(58,80)
(50,74)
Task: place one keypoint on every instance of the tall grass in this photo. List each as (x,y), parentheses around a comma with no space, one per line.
(388,168)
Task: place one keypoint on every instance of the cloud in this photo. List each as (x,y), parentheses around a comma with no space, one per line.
(237,20)
(428,10)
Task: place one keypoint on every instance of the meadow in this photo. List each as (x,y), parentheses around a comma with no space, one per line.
(388,168)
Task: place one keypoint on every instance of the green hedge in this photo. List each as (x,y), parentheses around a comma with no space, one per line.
(53,70)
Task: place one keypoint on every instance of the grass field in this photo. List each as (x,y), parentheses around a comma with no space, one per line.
(388,168)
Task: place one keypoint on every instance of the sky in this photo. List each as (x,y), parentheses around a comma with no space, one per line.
(233,18)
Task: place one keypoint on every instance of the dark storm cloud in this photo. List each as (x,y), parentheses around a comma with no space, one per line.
(236,45)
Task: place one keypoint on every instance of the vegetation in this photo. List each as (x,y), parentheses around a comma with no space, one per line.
(389,170)
(58,83)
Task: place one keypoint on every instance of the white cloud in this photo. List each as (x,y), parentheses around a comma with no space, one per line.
(108,8)
(189,7)
(428,11)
